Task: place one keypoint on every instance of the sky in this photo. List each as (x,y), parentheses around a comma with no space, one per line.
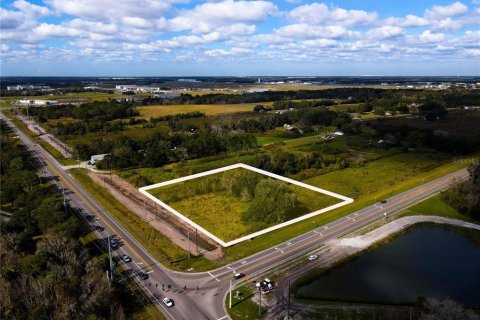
(239,38)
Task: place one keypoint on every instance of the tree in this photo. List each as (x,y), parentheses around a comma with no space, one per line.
(272,202)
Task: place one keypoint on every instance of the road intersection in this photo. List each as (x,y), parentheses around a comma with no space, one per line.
(202,295)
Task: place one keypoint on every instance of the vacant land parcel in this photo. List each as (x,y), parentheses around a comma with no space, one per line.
(238,202)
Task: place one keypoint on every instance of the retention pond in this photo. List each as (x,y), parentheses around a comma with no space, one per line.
(427,260)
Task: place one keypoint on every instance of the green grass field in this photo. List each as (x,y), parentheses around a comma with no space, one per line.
(434,206)
(243,307)
(221,213)
(378,175)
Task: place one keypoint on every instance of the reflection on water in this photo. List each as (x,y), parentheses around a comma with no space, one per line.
(426,261)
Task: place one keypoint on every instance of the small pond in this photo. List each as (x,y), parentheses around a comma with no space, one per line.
(428,260)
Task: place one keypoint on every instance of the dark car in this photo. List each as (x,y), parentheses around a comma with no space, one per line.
(383,201)
(143,275)
(238,275)
(99,228)
(113,243)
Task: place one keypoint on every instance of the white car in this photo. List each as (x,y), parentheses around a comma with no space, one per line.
(168,302)
(312,257)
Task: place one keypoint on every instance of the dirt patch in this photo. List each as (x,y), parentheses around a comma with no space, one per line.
(156,216)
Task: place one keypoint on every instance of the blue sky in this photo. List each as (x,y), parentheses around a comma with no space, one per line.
(230,37)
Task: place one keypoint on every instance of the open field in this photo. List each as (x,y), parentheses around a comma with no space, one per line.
(434,206)
(218,202)
(148,112)
(379,174)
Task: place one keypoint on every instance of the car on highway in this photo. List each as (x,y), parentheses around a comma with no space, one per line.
(99,228)
(238,275)
(383,201)
(168,302)
(143,275)
(312,257)
(126,258)
(113,243)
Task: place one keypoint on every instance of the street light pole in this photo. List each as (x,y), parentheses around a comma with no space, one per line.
(260,305)
(230,304)
(288,306)
(188,232)
(110,258)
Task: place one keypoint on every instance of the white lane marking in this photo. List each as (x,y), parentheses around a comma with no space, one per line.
(224,317)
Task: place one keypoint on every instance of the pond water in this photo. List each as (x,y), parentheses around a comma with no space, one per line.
(426,261)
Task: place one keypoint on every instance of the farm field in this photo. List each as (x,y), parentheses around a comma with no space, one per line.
(219,202)
(148,112)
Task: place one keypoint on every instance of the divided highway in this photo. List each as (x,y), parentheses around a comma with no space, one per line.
(201,295)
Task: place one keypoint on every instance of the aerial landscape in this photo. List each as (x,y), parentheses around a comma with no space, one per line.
(238,159)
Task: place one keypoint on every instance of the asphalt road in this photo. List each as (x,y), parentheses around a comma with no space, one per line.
(202,295)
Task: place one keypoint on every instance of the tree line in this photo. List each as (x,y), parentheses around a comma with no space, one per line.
(98,110)
(392,97)
(45,272)
(465,196)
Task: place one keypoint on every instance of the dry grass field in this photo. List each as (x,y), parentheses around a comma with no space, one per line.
(148,112)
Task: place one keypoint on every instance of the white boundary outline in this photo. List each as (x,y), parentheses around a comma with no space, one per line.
(143,190)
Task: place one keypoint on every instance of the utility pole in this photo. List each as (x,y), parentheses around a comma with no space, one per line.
(64,199)
(260,305)
(188,232)
(288,305)
(110,258)
(230,304)
(196,239)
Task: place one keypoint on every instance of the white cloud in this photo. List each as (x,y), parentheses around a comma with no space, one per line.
(385,32)
(107,10)
(320,14)
(319,43)
(208,16)
(428,36)
(232,52)
(303,30)
(451,10)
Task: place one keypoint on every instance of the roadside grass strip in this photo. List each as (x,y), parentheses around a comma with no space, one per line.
(148,189)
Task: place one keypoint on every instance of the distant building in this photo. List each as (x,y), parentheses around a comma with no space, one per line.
(255,90)
(136,89)
(28,87)
(36,102)
(97,157)
(188,80)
